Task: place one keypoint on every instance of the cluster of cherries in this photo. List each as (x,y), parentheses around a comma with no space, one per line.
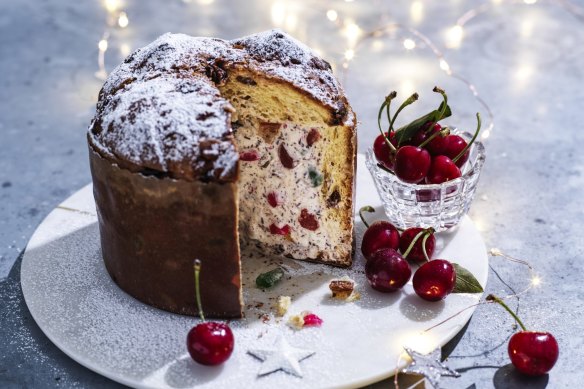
(422,152)
(532,353)
(388,271)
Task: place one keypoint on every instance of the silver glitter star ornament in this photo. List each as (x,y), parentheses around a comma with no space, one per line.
(429,366)
(282,356)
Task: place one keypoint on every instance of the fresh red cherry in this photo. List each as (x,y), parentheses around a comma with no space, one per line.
(417,253)
(210,343)
(437,145)
(412,164)
(533,353)
(379,235)
(454,146)
(387,271)
(383,152)
(441,170)
(434,280)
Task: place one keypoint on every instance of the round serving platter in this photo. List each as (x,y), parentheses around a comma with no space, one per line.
(81,310)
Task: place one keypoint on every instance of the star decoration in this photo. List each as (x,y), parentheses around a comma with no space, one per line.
(282,356)
(429,366)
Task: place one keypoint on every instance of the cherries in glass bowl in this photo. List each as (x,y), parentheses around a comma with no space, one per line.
(430,173)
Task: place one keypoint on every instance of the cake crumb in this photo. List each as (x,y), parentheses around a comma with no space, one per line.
(282,305)
(296,321)
(344,289)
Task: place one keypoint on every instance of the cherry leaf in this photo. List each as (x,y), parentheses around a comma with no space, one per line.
(465,281)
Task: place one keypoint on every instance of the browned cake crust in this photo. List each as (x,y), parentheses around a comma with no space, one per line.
(152,230)
(165,164)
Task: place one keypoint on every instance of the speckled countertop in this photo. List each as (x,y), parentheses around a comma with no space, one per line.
(525,60)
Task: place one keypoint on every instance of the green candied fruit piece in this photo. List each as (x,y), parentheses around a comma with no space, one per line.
(269,279)
(315,177)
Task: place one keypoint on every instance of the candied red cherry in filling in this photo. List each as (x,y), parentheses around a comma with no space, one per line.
(308,220)
(312,137)
(210,343)
(533,353)
(249,156)
(417,252)
(273,199)
(441,170)
(412,164)
(387,271)
(454,146)
(434,280)
(275,230)
(379,235)
(285,158)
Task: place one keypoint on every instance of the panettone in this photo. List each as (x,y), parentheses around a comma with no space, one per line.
(200,142)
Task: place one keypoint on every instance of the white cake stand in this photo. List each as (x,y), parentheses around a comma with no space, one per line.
(80,309)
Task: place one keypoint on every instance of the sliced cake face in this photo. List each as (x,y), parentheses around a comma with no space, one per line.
(296,171)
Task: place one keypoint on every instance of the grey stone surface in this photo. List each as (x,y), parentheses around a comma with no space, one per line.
(526,61)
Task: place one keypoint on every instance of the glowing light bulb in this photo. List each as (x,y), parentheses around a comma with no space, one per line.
(495,252)
(352,32)
(406,87)
(422,342)
(125,49)
(486,134)
(111,5)
(377,45)
(530,1)
(454,37)
(349,54)
(526,28)
(417,11)
(278,13)
(409,44)
(206,2)
(291,22)
(445,66)
(332,15)
(523,73)
(535,281)
(102,45)
(123,20)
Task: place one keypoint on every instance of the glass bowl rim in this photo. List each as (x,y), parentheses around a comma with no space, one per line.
(475,169)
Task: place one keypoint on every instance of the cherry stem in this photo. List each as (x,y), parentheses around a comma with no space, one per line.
(386,103)
(408,101)
(197,267)
(471,141)
(424,244)
(445,101)
(497,300)
(385,169)
(442,133)
(426,232)
(367,208)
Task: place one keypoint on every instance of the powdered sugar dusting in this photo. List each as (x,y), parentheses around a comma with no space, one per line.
(153,125)
(161,109)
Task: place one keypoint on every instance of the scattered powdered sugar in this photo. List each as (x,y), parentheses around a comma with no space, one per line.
(160,108)
(74,301)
